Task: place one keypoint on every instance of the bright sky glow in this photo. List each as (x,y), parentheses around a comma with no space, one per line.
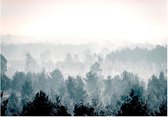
(136,21)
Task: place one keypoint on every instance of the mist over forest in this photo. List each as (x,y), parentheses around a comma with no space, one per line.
(84,79)
(150,59)
(83,58)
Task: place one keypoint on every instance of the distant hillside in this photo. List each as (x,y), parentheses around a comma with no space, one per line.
(155,55)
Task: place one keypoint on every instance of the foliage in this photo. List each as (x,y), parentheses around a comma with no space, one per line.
(13,105)
(83,110)
(94,94)
(4,107)
(18,81)
(5,83)
(40,106)
(133,106)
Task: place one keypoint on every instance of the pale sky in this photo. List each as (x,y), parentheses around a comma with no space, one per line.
(137,21)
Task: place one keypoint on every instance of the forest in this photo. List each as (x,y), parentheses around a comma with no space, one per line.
(32,92)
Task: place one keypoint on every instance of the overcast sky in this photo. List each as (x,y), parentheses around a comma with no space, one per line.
(136,21)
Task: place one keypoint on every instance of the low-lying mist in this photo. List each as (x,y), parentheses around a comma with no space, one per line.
(73,60)
(46,79)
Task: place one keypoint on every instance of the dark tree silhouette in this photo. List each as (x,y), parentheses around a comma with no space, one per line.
(40,106)
(133,106)
(59,109)
(4,107)
(163,110)
(83,110)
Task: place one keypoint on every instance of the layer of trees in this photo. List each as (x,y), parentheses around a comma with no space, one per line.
(156,55)
(93,94)
(76,59)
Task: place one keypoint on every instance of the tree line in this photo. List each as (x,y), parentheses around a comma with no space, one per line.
(93,94)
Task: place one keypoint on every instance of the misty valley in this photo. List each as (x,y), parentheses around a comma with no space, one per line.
(83,57)
(80,80)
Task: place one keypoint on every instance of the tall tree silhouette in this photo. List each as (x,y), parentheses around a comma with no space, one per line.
(40,106)
(4,106)
(59,109)
(94,81)
(133,106)
(83,110)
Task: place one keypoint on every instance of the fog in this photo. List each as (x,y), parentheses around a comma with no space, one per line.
(83,58)
(101,79)
(141,59)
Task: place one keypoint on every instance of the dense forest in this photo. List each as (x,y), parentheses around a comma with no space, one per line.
(30,92)
(149,59)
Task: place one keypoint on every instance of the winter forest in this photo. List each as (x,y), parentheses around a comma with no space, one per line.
(83,57)
(59,81)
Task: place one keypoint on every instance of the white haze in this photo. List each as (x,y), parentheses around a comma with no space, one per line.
(49,56)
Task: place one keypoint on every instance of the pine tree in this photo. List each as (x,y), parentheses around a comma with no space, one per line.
(13,106)
(133,106)
(40,106)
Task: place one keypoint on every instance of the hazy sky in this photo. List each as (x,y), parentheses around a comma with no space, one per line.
(136,21)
